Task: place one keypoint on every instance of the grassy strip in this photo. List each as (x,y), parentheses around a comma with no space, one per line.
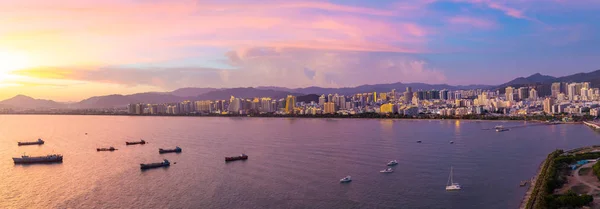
(552,176)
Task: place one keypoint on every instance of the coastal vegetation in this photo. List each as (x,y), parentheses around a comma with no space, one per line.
(596,169)
(552,175)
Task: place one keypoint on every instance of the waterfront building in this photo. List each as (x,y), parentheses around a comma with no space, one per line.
(387,108)
(290,104)
(329,108)
(548,105)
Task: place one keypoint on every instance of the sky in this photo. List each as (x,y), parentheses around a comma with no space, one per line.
(70,50)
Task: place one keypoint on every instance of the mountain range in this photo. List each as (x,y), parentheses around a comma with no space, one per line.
(540,82)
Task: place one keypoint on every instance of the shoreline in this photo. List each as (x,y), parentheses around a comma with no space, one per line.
(532,183)
(383,117)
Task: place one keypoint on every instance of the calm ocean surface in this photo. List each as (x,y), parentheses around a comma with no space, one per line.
(294,163)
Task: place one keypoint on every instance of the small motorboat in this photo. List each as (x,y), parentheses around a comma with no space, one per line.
(523,183)
(177,150)
(164,163)
(134,143)
(387,170)
(451,142)
(346,179)
(419,141)
(501,129)
(392,163)
(241,157)
(106,149)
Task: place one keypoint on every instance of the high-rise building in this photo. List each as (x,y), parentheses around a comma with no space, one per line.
(322,100)
(265,105)
(523,93)
(374,96)
(509,93)
(408,95)
(131,108)
(571,90)
(578,87)
(548,102)
(533,95)
(444,94)
(329,108)
(393,96)
(235,105)
(388,108)
(585,85)
(290,104)
(383,97)
(555,89)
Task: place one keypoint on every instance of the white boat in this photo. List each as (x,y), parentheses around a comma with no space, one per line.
(451,184)
(393,162)
(387,170)
(346,179)
(499,127)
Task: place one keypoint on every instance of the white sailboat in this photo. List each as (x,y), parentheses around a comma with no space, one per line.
(451,184)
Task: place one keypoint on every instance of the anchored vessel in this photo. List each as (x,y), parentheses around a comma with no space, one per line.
(392,163)
(451,184)
(106,149)
(39,141)
(500,128)
(133,143)
(387,170)
(346,179)
(25,159)
(241,157)
(177,150)
(164,163)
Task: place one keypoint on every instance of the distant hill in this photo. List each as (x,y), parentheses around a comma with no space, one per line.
(400,87)
(117,100)
(532,79)
(224,94)
(541,82)
(25,102)
(191,91)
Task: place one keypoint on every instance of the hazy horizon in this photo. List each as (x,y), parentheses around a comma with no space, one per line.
(77,49)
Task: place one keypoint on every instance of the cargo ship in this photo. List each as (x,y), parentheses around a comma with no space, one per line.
(53,158)
(241,157)
(38,142)
(106,149)
(177,150)
(164,163)
(134,143)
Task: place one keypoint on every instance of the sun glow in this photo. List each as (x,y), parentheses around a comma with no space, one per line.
(10,62)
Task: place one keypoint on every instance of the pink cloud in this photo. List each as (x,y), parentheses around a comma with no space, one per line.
(472,21)
(507,10)
(122,32)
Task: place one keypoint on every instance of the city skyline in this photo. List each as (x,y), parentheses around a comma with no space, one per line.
(77,49)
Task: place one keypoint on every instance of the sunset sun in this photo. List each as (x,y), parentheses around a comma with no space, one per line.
(10,62)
